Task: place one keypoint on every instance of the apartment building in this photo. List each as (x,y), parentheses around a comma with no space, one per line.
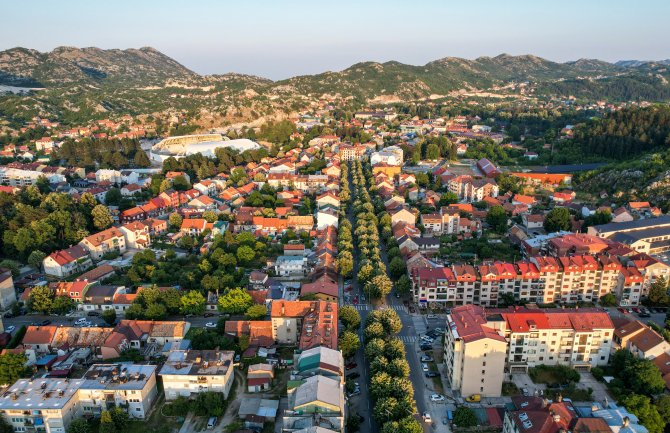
(650,236)
(351,153)
(106,241)
(50,404)
(307,323)
(18,178)
(188,372)
(136,234)
(471,189)
(569,279)
(474,356)
(444,222)
(482,345)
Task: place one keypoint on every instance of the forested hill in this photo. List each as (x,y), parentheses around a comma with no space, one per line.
(625,133)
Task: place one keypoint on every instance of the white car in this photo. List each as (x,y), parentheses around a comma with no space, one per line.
(424,367)
(426,358)
(10,329)
(80,321)
(436,397)
(427,338)
(426,417)
(210,325)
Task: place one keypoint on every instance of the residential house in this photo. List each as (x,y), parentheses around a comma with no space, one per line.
(318,400)
(64,263)
(106,241)
(188,372)
(136,234)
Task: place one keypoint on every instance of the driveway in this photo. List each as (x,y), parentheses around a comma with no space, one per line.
(523,380)
(600,392)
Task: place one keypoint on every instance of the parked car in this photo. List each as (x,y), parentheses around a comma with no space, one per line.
(355,392)
(44,322)
(431,316)
(436,397)
(525,392)
(431,374)
(622,310)
(208,314)
(635,310)
(474,398)
(438,331)
(424,367)
(426,418)
(426,347)
(354,375)
(426,358)
(82,320)
(351,366)
(92,313)
(10,329)
(210,325)
(211,422)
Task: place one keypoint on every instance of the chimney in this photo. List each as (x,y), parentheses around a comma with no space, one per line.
(626,421)
(545,402)
(557,417)
(559,398)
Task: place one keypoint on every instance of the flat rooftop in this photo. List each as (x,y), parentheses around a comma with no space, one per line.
(39,394)
(198,362)
(118,376)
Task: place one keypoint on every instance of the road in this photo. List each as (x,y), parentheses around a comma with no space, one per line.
(29,319)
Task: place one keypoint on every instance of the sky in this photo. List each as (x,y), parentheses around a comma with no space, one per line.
(282,38)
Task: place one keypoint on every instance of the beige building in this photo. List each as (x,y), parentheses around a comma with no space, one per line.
(474,355)
(641,340)
(318,400)
(482,344)
(136,234)
(52,403)
(188,372)
(103,242)
(7,291)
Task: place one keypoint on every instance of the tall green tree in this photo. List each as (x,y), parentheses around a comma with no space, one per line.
(102,218)
(193,303)
(12,367)
(557,219)
(497,219)
(235,301)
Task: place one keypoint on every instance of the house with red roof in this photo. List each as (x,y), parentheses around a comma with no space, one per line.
(64,263)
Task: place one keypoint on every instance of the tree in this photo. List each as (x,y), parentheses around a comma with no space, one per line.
(41,299)
(390,321)
(192,302)
(36,258)
(186,242)
(141,159)
(373,330)
(432,151)
(102,219)
(113,197)
(663,406)
(448,198)
(465,417)
(398,368)
(380,385)
(12,367)
(209,216)
(345,263)
(374,348)
(235,301)
(155,311)
(119,418)
(245,254)
(397,267)
(497,219)
(348,343)
(62,305)
(405,425)
(403,285)
(106,423)
(78,425)
(256,312)
(109,316)
(175,220)
(179,183)
(350,317)
(608,300)
(365,273)
(557,219)
(379,286)
(658,292)
(641,407)
(644,377)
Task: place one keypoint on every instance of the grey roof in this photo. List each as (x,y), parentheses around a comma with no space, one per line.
(320,388)
(642,234)
(633,225)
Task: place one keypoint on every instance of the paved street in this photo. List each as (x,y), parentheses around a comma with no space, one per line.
(29,319)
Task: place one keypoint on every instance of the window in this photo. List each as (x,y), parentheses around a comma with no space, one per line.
(138,409)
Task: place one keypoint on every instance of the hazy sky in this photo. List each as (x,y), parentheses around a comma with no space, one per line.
(282,38)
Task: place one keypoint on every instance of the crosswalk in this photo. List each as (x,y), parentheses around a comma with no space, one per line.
(368,307)
(400,308)
(363,307)
(408,338)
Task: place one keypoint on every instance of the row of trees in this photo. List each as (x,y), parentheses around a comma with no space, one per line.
(390,387)
(345,246)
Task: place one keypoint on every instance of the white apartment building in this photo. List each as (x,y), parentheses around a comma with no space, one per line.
(19,178)
(50,404)
(188,372)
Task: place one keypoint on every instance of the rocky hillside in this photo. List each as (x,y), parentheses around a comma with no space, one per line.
(68,65)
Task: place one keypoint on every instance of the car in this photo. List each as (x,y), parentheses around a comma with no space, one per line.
(445,420)
(439,331)
(644,315)
(10,329)
(92,313)
(426,418)
(44,322)
(81,320)
(354,375)
(427,339)
(431,374)
(525,392)
(474,398)
(425,346)
(210,325)
(431,316)
(351,366)
(9,315)
(211,422)
(424,367)
(397,295)
(426,358)
(436,397)
(622,310)
(362,297)
(208,314)
(353,393)
(635,310)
